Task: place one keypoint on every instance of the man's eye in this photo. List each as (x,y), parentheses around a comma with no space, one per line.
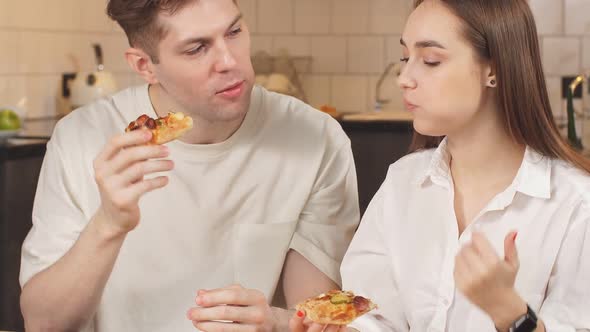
(235,32)
(195,50)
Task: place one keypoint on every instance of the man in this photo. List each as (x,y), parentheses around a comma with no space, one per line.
(254,206)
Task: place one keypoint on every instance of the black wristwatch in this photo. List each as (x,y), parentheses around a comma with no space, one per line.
(526,323)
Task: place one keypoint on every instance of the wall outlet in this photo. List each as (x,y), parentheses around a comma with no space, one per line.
(565,84)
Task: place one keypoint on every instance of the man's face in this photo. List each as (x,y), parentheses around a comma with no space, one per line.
(205,62)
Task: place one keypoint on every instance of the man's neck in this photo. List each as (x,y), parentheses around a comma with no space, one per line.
(204,131)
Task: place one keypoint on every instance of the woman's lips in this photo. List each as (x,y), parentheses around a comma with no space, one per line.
(409,106)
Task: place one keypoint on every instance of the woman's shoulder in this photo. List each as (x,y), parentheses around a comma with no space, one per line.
(414,164)
(570,179)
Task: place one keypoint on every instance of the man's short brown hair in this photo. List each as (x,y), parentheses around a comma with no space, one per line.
(139,20)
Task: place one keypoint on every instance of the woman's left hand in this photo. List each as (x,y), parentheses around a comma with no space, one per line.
(487,280)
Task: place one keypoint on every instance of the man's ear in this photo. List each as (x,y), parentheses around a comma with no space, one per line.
(142,64)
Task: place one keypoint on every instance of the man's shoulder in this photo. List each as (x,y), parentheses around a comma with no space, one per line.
(95,123)
(292,116)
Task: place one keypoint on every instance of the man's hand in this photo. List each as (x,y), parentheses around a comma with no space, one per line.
(119,173)
(488,280)
(299,323)
(233,308)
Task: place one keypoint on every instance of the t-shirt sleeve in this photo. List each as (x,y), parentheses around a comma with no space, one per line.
(57,217)
(331,214)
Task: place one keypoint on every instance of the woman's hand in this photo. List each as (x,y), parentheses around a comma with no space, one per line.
(487,280)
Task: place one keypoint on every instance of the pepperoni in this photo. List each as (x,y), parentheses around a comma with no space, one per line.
(151,123)
(361,304)
(142,120)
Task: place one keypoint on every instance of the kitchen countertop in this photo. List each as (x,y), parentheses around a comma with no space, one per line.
(31,140)
(383,116)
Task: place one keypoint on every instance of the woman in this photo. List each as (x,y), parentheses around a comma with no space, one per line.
(438,249)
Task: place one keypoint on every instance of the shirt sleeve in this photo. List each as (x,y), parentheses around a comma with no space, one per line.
(367,270)
(331,214)
(57,217)
(567,304)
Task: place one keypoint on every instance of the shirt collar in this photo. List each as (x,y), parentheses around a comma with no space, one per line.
(533,177)
(438,171)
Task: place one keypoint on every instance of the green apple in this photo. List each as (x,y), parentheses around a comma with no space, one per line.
(9,120)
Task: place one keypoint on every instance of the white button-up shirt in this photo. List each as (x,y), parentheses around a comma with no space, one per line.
(403,254)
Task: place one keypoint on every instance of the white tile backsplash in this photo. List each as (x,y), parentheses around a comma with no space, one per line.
(13,90)
(349,93)
(365,54)
(248,9)
(561,56)
(350,43)
(275,16)
(318,89)
(94,17)
(328,54)
(586,54)
(260,43)
(388,16)
(295,45)
(9,56)
(577,13)
(313,16)
(350,16)
(394,49)
(64,14)
(548,16)
(42,92)
(29,52)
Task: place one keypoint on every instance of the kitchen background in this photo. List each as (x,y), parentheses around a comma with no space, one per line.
(341,48)
(349,41)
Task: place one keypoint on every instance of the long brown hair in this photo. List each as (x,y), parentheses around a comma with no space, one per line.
(504,33)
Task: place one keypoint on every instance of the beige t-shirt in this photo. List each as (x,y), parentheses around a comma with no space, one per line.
(231,211)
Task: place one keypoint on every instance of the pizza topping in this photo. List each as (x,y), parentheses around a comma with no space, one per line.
(361,304)
(340,298)
(151,123)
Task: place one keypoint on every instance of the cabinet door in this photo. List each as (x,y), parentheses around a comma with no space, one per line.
(18,183)
(375,147)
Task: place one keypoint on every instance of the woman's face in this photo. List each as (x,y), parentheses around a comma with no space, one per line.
(443,82)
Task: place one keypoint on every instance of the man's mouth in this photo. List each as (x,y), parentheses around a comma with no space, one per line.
(232,90)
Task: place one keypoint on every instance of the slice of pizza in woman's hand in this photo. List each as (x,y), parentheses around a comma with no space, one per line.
(336,307)
(164,129)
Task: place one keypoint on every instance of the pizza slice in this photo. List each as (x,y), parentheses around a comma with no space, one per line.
(164,129)
(336,307)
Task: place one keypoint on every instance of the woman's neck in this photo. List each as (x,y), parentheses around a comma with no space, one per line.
(484,153)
